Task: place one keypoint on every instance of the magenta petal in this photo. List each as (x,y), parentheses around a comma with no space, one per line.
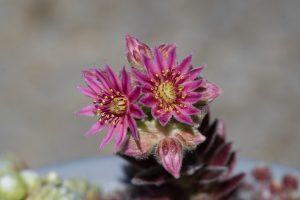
(134,95)
(154,111)
(121,134)
(112,78)
(95,128)
(126,86)
(108,136)
(150,67)
(185,64)
(165,118)
(142,78)
(193,97)
(88,110)
(172,57)
(136,111)
(192,85)
(160,62)
(133,127)
(183,118)
(194,73)
(87,92)
(148,100)
(103,80)
(170,153)
(93,84)
(189,110)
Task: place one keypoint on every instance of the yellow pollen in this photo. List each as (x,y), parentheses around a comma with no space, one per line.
(118,105)
(167,92)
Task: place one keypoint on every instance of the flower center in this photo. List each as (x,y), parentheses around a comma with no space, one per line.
(167,92)
(118,105)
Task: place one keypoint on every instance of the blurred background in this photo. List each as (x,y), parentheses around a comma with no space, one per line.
(252,49)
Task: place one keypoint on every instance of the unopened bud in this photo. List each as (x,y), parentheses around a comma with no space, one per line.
(170,153)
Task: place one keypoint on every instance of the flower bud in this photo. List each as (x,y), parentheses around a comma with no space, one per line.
(135,52)
(211,92)
(141,148)
(169,152)
(190,140)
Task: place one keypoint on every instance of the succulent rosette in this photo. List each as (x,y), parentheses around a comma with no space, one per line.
(114,103)
(163,88)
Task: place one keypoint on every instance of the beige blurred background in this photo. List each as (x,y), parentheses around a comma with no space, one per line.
(252,49)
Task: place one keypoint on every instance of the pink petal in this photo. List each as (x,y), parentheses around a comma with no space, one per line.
(103,79)
(160,62)
(148,100)
(126,86)
(93,84)
(194,73)
(185,64)
(183,118)
(135,94)
(189,110)
(95,128)
(108,136)
(136,111)
(133,127)
(142,78)
(192,85)
(112,78)
(87,111)
(193,97)
(172,57)
(169,152)
(150,67)
(154,112)
(146,88)
(164,118)
(121,134)
(87,92)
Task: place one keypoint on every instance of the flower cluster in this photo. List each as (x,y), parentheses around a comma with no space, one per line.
(159,90)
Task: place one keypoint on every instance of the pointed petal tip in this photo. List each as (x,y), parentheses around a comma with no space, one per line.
(200,138)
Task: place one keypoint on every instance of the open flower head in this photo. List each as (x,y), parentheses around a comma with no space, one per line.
(171,89)
(114,103)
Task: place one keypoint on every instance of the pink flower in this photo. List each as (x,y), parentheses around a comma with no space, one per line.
(172,89)
(115,103)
